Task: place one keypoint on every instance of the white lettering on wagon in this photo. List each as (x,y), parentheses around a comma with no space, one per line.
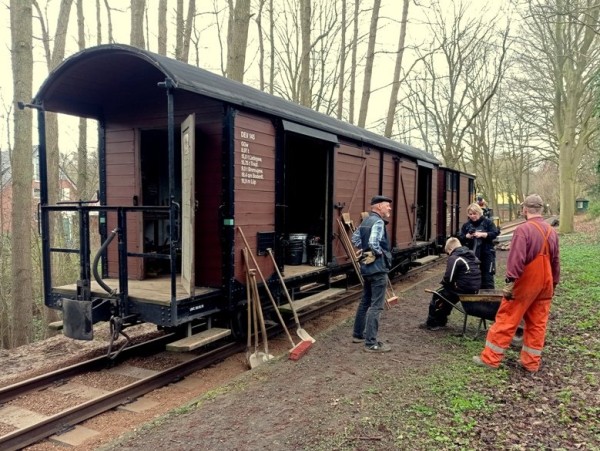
(251,170)
(196,307)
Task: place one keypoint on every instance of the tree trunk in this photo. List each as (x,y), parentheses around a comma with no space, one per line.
(136,37)
(272,42)
(237,39)
(111,39)
(187,33)
(389,123)
(353,64)
(261,46)
(342,85)
(82,169)
(22,173)
(179,30)
(162,27)
(366,92)
(305,91)
(98,23)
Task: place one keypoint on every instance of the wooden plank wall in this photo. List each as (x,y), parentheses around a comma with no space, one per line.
(254,185)
(123,183)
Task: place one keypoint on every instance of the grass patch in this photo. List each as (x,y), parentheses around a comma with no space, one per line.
(454,405)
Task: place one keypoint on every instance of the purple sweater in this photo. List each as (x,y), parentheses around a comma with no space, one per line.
(527,242)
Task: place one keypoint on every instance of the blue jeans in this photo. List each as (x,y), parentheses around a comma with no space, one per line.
(366,322)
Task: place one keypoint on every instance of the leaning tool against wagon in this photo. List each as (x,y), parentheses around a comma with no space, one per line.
(478,234)
(462,276)
(375,262)
(532,273)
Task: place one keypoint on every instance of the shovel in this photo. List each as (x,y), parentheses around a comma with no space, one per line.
(257,357)
(304,336)
(250,316)
(263,329)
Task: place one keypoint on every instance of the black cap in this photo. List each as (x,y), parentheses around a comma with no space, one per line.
(378,199)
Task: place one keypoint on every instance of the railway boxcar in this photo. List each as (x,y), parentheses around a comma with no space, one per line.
(192,165)
(456,192)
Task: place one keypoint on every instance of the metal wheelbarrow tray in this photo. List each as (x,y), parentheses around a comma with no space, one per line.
(483,305)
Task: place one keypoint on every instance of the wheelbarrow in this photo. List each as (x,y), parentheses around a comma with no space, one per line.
(483,306)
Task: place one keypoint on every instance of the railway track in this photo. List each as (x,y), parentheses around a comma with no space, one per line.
(31,427)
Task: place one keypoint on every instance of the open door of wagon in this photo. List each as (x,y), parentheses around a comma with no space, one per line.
(188,203)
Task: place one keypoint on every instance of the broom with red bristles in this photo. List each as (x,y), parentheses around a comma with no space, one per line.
(298,350)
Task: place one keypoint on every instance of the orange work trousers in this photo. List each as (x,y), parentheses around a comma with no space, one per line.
(532,296)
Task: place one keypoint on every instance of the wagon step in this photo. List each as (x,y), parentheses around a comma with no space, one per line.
(424,260)
(310,300)
(200,339)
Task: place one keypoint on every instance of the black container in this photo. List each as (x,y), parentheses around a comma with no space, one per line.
(295,252)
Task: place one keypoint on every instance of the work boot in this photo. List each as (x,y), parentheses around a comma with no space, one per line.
(527,370)
(430,327)
(477,361)
(378,347)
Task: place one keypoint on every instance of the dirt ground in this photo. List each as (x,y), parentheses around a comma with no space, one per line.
(287,405)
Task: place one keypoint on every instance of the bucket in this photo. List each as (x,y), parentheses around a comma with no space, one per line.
(315,255)
(296,249)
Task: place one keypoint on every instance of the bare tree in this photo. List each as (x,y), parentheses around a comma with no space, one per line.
(237,38)
(162,27)
(561,53)
(460,47)
(368,72)
(389,123)
(342,85)
(136,37)
(98,23)
(261,45)
(272,43)
(22,173)
(355,38)
(305,22)
(187,34)
(289,50)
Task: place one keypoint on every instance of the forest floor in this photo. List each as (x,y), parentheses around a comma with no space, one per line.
(424,394)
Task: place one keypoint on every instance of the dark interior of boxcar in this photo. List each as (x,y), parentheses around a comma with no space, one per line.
(424,191)
(155,191)
(306,189)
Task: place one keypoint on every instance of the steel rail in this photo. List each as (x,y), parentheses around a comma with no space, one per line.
(70,417)
(36,383)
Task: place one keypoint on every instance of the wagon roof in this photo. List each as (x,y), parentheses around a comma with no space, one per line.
(82,83)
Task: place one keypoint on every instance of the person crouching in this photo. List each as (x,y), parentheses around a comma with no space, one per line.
(463,276)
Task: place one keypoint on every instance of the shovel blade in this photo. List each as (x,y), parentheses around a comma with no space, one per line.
(258,358)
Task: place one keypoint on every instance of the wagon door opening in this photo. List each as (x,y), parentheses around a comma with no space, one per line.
(307,191)
(154,159)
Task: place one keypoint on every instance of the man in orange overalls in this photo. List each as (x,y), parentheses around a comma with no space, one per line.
(532,273)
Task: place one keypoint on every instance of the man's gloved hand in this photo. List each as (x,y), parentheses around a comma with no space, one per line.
(507,291)
(368,257)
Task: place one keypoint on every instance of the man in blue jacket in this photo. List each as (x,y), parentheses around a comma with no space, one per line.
(463,276)
(376,261)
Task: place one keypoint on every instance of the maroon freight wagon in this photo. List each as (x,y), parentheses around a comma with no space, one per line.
(189,161)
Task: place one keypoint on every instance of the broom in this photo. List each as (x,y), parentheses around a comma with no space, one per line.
(392,297)
(304,336)
(298,350)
